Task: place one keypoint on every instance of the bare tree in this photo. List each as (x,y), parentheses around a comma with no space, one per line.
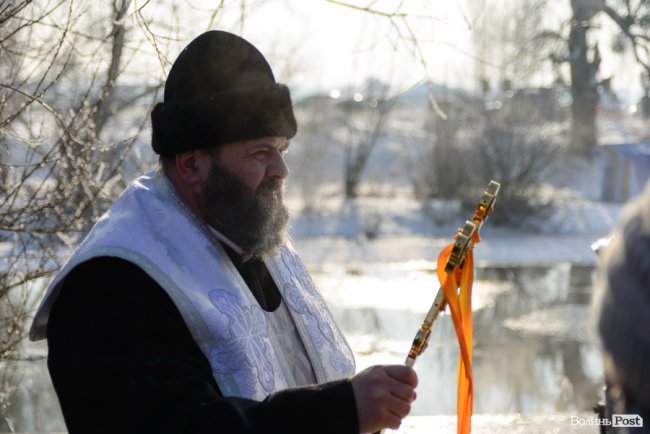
(584,91)
(511,43)
(632,18)
(364,117)
(520,156)
(442,170)
(501,134)
(312,158)
(70,116)
(507,51)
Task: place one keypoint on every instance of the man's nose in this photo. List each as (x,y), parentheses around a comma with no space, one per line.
(277,168)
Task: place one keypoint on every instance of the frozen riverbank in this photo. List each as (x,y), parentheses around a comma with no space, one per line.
(496,249)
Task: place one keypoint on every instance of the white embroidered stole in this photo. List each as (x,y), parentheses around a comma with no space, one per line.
(151,226)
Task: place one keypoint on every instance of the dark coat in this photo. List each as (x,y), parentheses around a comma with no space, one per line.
(122,360)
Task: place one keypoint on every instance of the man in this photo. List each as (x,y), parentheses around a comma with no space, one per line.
(621,310)
(186,309)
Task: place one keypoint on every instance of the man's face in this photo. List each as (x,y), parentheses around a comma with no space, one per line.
(242,196)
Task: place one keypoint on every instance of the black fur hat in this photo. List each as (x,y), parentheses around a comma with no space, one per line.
(220,89)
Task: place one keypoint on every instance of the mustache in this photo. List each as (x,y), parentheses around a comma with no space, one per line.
(271,185)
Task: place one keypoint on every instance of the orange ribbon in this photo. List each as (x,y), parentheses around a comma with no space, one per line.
(460,305)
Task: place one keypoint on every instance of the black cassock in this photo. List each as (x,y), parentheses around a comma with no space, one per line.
(122,360)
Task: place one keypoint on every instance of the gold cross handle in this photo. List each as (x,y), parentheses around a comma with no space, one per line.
(464,241)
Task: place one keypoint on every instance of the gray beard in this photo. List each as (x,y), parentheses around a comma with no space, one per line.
(255,224)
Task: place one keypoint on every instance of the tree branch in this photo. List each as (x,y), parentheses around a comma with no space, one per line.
(367,9)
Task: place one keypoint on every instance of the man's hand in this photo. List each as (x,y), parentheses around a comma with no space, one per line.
(383,395)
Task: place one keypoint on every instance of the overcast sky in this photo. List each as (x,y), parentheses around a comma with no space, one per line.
(316,44)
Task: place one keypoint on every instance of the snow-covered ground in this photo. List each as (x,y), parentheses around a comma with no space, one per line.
(336,232)
(403,232)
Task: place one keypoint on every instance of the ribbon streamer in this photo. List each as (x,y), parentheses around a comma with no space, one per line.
(455,270)
(457,287)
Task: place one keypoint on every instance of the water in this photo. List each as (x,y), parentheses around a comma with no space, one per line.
(533,352)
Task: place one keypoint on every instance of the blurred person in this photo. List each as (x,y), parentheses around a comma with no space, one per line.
(186,308)
(621,310)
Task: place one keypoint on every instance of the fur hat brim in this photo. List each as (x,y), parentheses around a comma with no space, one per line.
(223,117)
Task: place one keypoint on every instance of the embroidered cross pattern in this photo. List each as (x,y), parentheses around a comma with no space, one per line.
(246,342)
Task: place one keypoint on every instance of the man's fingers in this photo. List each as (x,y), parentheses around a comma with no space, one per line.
(383,395)
(391,421)
(403,373)
(402,391)
(398,407)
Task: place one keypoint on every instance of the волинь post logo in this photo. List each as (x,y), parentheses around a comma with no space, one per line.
(627,420)
(617,420)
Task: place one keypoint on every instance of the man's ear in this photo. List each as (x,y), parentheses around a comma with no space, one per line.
(187,167)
